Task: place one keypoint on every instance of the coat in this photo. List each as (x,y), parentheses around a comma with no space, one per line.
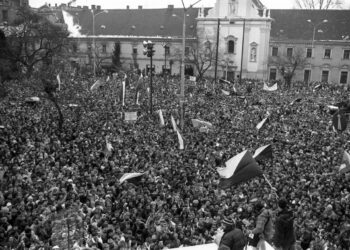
(264,225)
(284,229)
(233,240)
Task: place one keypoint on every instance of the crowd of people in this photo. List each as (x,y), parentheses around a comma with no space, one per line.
(48,175)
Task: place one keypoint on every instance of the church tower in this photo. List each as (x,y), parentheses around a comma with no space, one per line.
(241,28)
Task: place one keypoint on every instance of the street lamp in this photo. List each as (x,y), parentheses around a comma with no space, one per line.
(148,50)
(182,86)
(165,46)
(93,35)
(315,26)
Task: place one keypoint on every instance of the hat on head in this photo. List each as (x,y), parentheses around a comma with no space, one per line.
(282,203)
(228,221)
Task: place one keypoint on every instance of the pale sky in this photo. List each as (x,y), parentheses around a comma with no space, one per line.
(121,4)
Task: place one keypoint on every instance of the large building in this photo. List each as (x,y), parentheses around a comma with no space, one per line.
(252,41)
(8,10)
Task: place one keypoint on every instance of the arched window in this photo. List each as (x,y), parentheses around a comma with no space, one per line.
(253,54)
(231,47)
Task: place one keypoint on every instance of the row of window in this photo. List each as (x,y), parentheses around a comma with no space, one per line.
(307,75)
(326,55)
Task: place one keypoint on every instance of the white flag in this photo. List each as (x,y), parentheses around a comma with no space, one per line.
(96,85)
(225,92)
(59,82)
(173,123)
(181,141)
(259,126)
(137,97)
(123,85)
(161,118)
(272,88)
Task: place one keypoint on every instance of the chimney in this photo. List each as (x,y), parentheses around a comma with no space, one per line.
(127,7)
(93,6)
(98,7)
(49,5)
(56,5)
(170,6)
(140,7)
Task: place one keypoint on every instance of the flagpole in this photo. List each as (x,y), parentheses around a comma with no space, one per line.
(272,188)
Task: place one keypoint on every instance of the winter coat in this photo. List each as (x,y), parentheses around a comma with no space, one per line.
(284,229)
(264,225)
(233,240)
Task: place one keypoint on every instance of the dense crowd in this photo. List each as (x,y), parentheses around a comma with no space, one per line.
(48,175)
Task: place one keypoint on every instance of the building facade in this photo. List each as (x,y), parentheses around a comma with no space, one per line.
(8,10)
(253,42)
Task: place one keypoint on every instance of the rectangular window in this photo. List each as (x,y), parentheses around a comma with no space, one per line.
(324,77)
(187,51)
(134,50)
(231,47)
(167,50)
(5,16)
(289,52)
(346,54)
(343,77)
(104,48)
(273,74)
(309,52)
(327,53)
(307,75)
(274,51)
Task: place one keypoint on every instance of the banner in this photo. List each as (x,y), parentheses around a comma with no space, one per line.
(130,116)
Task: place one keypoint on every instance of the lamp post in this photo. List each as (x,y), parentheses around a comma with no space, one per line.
(165,46)
(93,35)
(148,50)
(182,86)
(241,71)
(314,30)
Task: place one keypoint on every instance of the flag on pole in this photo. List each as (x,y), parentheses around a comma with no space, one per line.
(137,97)
(123,92)
(59,81)
(181,141)
(199,123)
(173,123)
(317,87)
(129,176)
(261,124)
(161,118)
(225,92)
(109,148)
(239,168)
(296,100)
(263,152)
(268,88)
(96,85)
(345,166)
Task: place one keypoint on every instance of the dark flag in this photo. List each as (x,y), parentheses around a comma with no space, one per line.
(240,168)
(263,152)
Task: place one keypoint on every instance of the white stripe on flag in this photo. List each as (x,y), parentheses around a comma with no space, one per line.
(181,141)
(259,150)
(137,98)
(128,176)
(161,118)
(123,86)
(231,166)
(173,123)
(59,82)
(259,126)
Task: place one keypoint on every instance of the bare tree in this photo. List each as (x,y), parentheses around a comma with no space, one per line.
(35,40)
(287,64)
(319,4)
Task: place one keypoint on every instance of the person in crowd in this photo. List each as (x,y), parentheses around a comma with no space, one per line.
(233,237)
(284,237)
(264,224)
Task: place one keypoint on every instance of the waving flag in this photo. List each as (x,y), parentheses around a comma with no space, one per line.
(59,82)
(295,101)
(161,118)
(109,148)
(123,92)
(199,123)
(225,92)
(272,88)
(129,176)
(181,141)
(239,168)
(96,85)
(173,123)
(261,124)
(345,166)
(137,97)
(263,152)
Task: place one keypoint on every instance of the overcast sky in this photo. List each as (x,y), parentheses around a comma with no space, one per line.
(120,4)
